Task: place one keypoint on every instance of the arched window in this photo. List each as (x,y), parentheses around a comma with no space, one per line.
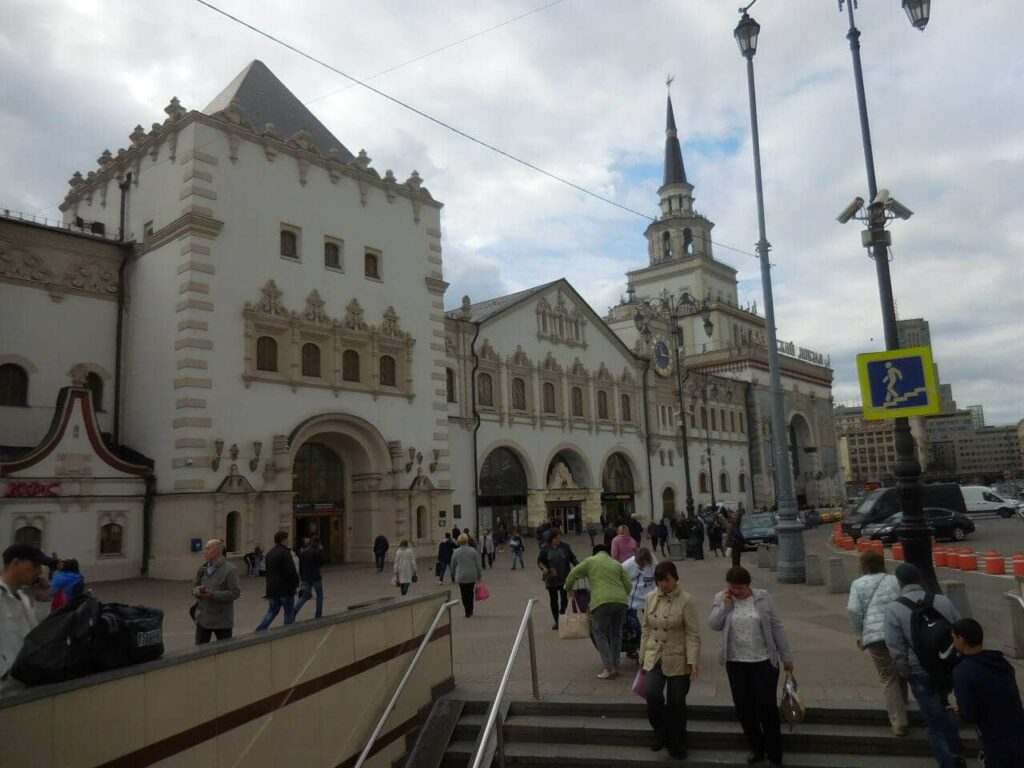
(627,411)
(549,397)
(723,482)
(714,420)
(703,417)
(484,390)
(266,354)
(350,365)
(332,255)
(688,241)
(30,535)
(577,402)
(702,483)
(518,394)
(743,483)
(732,421)
(666,246)
(231,532)
(289,244)
(310,362)
(94,384)
(112,539)
(602,405)
(421,522)
(387,371)
(13,385)
(668,503)
(371,265)
(449,384)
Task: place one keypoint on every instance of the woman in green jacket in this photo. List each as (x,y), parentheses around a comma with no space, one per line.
(609,596)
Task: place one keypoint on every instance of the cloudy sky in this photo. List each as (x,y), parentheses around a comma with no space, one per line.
(578,89)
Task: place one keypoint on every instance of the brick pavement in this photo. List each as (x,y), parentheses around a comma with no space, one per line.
(829,667)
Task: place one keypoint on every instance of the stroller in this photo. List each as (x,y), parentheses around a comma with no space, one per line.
(631,635)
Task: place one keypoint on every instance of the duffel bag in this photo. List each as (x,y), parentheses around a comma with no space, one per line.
(133,634)
(63,646)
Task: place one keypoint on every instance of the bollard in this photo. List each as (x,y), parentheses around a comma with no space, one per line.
(968,560)
(812,571)
(952,558)
(762,555)
(995,564)
(1018,565)
(939,557)
(957,594)
(773,559)
(837,583)
(897,551)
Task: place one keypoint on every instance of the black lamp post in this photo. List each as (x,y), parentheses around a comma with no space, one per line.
(673,309)
(792,563)
(914,532)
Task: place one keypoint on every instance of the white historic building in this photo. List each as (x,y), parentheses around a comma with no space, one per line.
(240,328)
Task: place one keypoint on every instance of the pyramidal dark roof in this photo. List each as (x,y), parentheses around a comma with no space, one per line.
(265,99)
(675,173)
(483,310)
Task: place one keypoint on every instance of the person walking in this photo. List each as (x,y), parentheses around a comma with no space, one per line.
(215,589)
(445,550)
(310,579)
(636,528)
(405,566)
(467,571)
(556,559)
(695,541)
(930,689)
(652,535)
(380,550)
(716,532)
(640,570)
(592,531)
(662,536)
(754,642)
(734,541)
(669,657)
(609,596)
(987,697)
(610,532)
(623,546)
(67,584)
(517,546)
(282,581)
(487,548)
(869,596)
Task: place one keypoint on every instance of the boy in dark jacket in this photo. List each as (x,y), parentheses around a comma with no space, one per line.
(282,581)
(445,550)
(987,696)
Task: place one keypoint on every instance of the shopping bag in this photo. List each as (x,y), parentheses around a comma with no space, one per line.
(480,591)
(394,580)
(574,624)
(640,683)
(790,707)
(728,551)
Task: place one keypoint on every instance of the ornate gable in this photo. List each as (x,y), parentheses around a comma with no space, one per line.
(579,369)
(520,358)
(314,312)
(270,302)
(354,317)
(487,352)
(551,364)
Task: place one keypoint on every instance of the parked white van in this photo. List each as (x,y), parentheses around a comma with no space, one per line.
(978,498)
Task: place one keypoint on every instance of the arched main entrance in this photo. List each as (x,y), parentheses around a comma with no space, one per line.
(803,456)
(617,489)
(319,502)
(503,489)
(568,480)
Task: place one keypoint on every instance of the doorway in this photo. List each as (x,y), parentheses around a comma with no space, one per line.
(318,505)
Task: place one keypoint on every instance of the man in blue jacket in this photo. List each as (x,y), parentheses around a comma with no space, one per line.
(987,696)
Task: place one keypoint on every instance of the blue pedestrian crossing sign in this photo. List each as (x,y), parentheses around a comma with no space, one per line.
(898,383)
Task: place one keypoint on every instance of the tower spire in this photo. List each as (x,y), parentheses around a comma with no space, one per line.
(675,173)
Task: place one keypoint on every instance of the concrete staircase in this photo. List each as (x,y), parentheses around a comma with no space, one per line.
(572,732)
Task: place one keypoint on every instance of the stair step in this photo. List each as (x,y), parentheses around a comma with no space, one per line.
(530,755)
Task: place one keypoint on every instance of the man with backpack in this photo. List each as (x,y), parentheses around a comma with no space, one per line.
(23,570)
(918,634)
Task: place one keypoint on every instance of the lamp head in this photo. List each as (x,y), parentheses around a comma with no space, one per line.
(638,321)
(746,33)
(708,327)
(918,12)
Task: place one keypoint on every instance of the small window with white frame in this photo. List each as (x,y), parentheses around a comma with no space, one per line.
(372,264)
(334,254)
(291,242)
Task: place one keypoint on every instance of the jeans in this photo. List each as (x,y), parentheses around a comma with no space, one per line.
(378,558)
(753,685)
(668,719)
(517,556)
(274,606)
(606,626)
(894,685)
(466,591)
(442,568)
(203,634)
(559,602)
(305,591)
(943,730)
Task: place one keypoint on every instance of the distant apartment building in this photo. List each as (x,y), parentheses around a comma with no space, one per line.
(958,449)
(977,415)
(915,332)
(867,449)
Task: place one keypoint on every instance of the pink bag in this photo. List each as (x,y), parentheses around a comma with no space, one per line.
(639,682)
(480,592)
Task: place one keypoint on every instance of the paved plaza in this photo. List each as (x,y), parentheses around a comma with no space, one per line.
(829,667)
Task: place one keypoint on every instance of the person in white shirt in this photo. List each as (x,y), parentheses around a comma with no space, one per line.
(640,569)
(22,575)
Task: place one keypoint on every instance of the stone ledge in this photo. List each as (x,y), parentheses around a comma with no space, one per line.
(206,306)
(196,266)
(193,343)
(183,422)
(193,382)
(194,286)
(192,362)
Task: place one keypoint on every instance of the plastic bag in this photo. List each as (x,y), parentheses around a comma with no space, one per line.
(791,710)
(480,591)
(640,683)
(574,624)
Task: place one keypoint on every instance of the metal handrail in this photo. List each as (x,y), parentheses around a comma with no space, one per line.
(526,625)
(365,754)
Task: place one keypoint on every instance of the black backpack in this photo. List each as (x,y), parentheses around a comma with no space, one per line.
(931,636)
(61,647)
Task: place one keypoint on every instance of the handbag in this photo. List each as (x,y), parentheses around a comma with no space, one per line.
(480,591)
(394,580)
(415,578)
(574,624)
(790,707)
(192,610)
(640,684)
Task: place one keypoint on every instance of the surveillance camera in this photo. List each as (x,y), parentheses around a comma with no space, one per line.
(851,210)
(898,209)
(188,461)
(882,197)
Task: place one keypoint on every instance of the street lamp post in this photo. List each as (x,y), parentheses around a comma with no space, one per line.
(790,532)
(914,532)
(674,309)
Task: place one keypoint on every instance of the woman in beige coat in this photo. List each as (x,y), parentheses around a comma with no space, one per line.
(669,655)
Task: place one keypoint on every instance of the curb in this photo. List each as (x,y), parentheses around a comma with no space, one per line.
(980,555)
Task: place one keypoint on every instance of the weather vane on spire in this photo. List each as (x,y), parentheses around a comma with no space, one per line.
(668,81)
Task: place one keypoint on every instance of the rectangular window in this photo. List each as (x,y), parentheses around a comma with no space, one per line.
(732,421)
(290,242)
(671,458)
(722,412)
(518,394)
(334,252)
(457,511)
(742,428)
(372,264)
(714,421)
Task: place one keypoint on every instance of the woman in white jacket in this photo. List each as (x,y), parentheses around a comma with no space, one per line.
(869,596)
(405,566)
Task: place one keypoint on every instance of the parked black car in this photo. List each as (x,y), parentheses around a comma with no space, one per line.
(879,505)
(946,523)
(758,528)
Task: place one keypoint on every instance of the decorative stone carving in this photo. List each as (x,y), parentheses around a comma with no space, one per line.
(520,358)
(561,477)
(138,136)
(270,302)
(22,264)
(91,275)
(79,374)
(174,110)
(303,140)
(487,352)
(449,345)
(551,364)
(627,377)
(234,114)
(390,327)
(603,374)
(466,310)
(578,369)
(314,312)
(354,317)
(105,159)
(73,465)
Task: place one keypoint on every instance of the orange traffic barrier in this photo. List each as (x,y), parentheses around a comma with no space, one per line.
(1018,564)
(940,557)
(848,542)
(995,564)
(968,560)
(897,551)
(879,547)
(952,558)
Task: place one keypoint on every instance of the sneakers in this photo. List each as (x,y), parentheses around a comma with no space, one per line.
(899,730)
(604,674)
